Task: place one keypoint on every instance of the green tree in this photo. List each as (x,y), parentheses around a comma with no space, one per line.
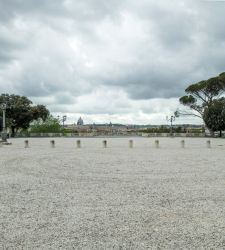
(214,115)
(200,96)
(40,111)
(49,125)
(20,111)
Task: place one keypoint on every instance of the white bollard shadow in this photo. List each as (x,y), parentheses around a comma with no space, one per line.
(182,143)
(78,144)
(26,144)
(52,143)
(157,143)
(208,144)
(131,144)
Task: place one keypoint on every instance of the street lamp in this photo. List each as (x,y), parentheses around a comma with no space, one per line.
(171,119)
(63,120)
(4,133)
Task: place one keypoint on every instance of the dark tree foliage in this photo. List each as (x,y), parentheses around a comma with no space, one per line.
(214,115)
(40,111)
(192,103)
(200,95)
(20,112)
(202,98)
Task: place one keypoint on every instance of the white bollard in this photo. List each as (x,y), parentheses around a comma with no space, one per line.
(182,143)
(78,144)
(26,144)
(208,144)
(157,143)
(52,143)
(131,144)
(104,144)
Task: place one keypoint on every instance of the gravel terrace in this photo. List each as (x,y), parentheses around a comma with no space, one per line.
(114,197)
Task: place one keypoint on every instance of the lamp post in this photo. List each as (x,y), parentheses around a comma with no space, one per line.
(63,120)
(171,119)
(4,133)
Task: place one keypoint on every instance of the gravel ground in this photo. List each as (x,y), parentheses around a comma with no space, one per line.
(113,198)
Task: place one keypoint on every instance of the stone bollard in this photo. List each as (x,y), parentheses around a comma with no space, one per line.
(157,143)
(208,144)
(52,143)
(182,143)
(78,144)
(104,144)
(131,144)
(26,144)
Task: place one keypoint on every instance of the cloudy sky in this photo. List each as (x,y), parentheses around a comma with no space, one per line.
(110,60)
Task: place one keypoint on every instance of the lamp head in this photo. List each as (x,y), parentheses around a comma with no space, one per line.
(3,106)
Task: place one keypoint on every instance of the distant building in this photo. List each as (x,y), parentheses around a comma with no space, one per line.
(80,122)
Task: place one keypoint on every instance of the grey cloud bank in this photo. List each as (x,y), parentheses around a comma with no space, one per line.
(109,60)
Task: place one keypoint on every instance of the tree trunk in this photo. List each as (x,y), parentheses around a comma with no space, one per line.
(220,133)
(13,131)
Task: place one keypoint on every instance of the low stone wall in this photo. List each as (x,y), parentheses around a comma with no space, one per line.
(46,134)
(94,134)
(174,134)
(70,134)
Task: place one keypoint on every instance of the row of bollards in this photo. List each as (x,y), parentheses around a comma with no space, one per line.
(104,144)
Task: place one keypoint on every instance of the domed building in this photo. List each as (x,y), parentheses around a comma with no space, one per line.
(80,122)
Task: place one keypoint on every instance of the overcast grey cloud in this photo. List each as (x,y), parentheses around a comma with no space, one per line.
(125,61)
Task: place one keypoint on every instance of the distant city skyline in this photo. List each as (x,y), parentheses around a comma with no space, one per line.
(121,61)
(178,121)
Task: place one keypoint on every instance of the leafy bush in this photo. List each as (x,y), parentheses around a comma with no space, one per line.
(70,131)
(161,129)
(50,125)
